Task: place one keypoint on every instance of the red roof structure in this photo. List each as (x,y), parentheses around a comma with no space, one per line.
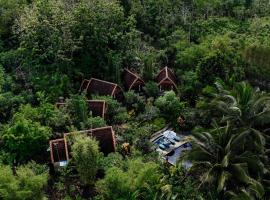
(100,87)
(104,135)
(132,80)
(97,107)
(166,79)
(58,149)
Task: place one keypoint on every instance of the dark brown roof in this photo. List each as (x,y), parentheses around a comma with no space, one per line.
(97,107)
(100,87)
(166,75)
(104,135)
(58,149)
(132,79)
(97,86)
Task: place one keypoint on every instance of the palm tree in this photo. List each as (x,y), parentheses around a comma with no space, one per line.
(219,156)
(243,105)
(248,111)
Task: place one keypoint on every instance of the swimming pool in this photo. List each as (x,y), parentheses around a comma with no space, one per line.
(173,156)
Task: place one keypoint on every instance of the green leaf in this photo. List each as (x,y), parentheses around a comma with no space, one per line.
(222,180)
(225,161)
(240,172)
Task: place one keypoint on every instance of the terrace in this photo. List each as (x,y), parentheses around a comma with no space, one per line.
(170,146)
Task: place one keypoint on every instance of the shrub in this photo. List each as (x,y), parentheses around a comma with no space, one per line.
(115,113)
(24,138)
(47,114)
(151,89)
(135,132)
(9,103)
(95,122)
(86,155)
(134,101)
(78,109)
(2,75)
(143,144)
(112,160)
(121,116)
(150,113)
(170,106)
(159,123)
(138,180)
(27,184)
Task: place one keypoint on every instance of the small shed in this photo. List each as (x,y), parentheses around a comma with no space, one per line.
(166,79)
(58,150)
(104,135)
(100,87)
(132,81)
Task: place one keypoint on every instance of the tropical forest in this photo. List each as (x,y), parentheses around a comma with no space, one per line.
(134,99)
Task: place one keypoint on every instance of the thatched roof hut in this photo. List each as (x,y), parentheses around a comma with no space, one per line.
(166,79)
(100,87)
(132,81)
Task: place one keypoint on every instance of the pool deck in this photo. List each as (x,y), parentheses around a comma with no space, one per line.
(159,133)
(172,147)
(172,159)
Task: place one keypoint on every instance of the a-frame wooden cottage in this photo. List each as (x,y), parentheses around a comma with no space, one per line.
(166,79)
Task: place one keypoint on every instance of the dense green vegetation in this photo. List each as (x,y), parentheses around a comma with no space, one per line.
(220,53)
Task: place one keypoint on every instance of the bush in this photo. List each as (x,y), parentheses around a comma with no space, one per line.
(170,106)
(176,176)
(115,113)
(112,160)
(121,116)
(151,89)
(136,131)
(159,123)
(47,114)
(26,184)
(77,108)
(86,155)
(143,144)
(150,113)
(134,101)
(24,138)
(9,103)
(138,180)
(95,122)
(2,75)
